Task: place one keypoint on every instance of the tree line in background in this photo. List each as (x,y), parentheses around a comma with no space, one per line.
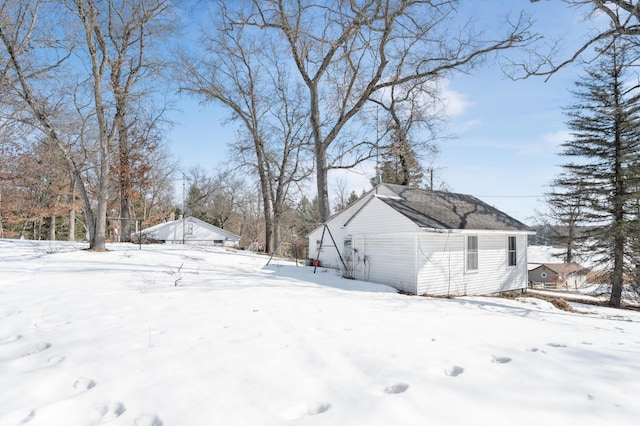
(310,86)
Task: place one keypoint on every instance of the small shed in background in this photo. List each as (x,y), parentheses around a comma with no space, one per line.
(188,230)
(563,276)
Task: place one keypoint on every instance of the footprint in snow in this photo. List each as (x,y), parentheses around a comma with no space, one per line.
(10,339)
(303,410)
(396,388)
(9,313)
(500,359)
(454,371)
(148,420)
(83,384)
(54,360)
(106,413)
(533,350)
(36,349)
(29,417)
(556,345)
(19,417)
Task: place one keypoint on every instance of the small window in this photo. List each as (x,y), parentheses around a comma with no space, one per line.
(512,253)
(472,253)
(348,247)
(189,229)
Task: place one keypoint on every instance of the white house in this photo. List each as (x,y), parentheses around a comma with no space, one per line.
(425,242)
(189,230)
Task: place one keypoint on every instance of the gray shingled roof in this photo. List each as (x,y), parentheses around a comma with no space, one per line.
(447,210)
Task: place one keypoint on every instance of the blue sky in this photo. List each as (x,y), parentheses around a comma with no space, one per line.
(507,133)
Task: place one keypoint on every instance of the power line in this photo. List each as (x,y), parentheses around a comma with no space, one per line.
(510,196)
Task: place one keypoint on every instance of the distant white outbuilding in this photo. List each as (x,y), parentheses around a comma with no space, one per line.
(425,242)
(189,230)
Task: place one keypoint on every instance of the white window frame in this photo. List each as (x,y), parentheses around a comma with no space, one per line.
(474,252)
(512,254)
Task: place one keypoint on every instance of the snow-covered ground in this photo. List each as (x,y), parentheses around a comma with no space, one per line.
(174,335)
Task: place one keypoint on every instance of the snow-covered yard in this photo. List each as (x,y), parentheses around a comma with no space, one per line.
(175,335)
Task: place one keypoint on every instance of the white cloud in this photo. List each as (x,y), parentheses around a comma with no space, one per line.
(456,103)
(467,125)
(548,144)
(555,139)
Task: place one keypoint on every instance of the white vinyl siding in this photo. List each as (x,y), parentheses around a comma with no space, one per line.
(329,255)
(441,262)
(384,246)
(385,259)
(379,218)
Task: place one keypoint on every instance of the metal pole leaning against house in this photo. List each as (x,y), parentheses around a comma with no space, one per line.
(315,264)
(326,227)
(336,246)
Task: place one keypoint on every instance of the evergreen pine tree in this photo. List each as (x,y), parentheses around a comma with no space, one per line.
(603,159)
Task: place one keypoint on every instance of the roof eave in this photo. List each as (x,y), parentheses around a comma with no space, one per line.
(476,231)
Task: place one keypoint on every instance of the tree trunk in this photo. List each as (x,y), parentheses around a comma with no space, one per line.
(124,166)
(320,154)
(72,224)
(322,186)
(268,227)
(52,228)
(617,276)
(276,235)
(125,220)
(100,224)
(1,227)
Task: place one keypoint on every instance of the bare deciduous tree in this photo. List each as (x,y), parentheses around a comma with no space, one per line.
(110,43)
(32,52)
(241,70)
(624,19)
(408,109)
(345,51)
(133,27)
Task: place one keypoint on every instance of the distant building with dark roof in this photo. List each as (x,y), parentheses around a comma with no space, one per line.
(425,242)
(558,275)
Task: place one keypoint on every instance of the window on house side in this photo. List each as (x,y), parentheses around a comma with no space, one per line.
(511,251)
(472,253)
